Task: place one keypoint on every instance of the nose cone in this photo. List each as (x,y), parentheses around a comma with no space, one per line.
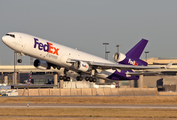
(4,39)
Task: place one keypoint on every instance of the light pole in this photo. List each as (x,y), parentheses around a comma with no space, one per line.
(117,48)
(15,60)
(146,52)
(106,52)
(118,83)
(31,60)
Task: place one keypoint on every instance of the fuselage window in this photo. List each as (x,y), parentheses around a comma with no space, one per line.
(11,35)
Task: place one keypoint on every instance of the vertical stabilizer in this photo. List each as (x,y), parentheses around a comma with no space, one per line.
(137,50)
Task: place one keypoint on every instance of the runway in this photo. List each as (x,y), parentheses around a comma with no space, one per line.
(34,105)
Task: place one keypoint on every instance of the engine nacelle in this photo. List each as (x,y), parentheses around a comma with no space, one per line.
(40,64)
(118,57)
(81,66)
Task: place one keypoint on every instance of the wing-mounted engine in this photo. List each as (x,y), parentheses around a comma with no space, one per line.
(81,66)
(118,57)
(40,64)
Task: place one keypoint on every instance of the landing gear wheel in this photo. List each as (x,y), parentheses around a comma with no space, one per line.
(87,78)
(64,78)
(61,77)
(90,79)
(68,78)
(94,79)
(79,78)
(19,60)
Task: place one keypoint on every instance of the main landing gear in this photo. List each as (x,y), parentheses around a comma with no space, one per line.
(90,79)
(78,78)
(65,78)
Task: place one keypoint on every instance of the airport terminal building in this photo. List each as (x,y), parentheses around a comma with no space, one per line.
(167,79)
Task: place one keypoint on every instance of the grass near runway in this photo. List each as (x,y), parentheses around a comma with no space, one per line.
(91,118)
(122,114)
(159,100)
(89,112)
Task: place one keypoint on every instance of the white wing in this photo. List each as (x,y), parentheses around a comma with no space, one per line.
(101,65)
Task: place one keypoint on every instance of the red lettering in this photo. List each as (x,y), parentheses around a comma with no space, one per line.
(136,64)
(50,47)
(56,51)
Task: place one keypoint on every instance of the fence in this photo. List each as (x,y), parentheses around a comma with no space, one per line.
(87,92)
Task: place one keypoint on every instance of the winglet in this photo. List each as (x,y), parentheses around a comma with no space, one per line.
(169,65)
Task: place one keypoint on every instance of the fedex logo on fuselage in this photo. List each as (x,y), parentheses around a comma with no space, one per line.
(48,47)
(85,66)
(133,62)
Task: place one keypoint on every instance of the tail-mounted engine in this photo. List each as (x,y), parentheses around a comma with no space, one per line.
(118,57)
(40,64)
(123,59)
(81,66)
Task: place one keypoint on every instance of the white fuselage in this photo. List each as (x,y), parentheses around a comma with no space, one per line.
(49,51)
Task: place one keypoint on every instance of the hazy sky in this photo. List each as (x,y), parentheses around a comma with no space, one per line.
(86,24)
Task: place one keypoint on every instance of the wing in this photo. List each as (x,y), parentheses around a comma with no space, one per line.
(121,66)
(99,65)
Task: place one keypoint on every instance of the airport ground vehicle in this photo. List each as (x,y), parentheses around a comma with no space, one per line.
(8,93)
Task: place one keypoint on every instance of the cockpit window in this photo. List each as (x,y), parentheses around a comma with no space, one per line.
(11,35)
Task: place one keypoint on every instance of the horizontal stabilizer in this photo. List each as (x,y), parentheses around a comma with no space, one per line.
(169,65)
(142,73)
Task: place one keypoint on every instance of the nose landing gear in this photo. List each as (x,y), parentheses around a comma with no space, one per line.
(20,55)
(19,60)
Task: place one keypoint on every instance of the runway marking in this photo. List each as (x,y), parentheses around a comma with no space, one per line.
(11,105)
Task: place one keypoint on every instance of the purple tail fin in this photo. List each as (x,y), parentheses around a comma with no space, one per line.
(137,50)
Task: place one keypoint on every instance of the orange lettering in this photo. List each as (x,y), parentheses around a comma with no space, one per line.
(56,51)
(50,47)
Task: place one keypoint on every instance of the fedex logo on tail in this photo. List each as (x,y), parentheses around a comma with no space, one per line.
(133,62)
(48,47)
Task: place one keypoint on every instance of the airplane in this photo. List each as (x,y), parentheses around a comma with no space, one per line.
(28,82)
(50,54)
